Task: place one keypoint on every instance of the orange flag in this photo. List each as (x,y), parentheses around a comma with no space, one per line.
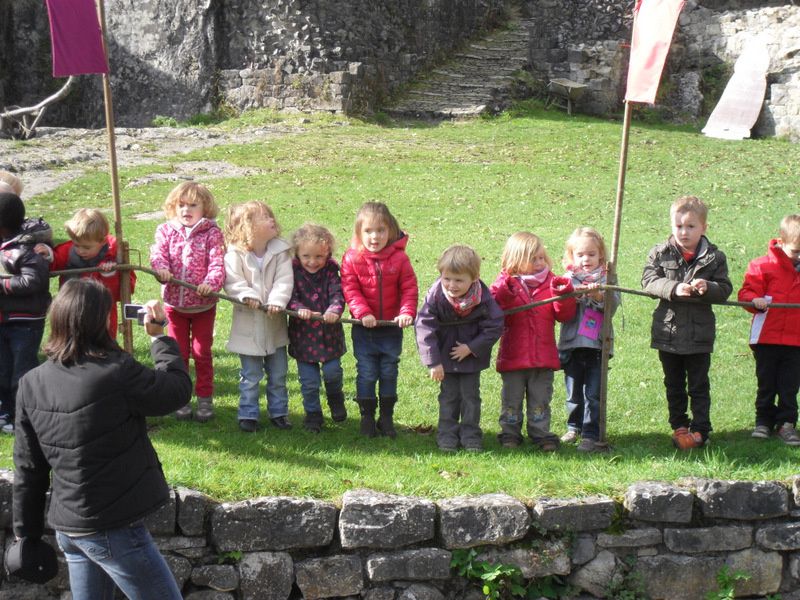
(653,25)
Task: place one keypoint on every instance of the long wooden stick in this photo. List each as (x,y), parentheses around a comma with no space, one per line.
(108,101)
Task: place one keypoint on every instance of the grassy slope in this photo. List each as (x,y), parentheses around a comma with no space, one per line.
(478,182)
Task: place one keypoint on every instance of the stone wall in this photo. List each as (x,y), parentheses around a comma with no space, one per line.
(182,57)
(587,43)
(662,540)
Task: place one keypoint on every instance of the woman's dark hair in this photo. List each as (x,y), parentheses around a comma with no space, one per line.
(79,322)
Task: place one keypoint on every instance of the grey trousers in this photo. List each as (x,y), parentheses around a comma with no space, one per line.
(536,387)
(460,411)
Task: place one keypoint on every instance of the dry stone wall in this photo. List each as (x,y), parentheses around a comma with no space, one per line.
(660,540)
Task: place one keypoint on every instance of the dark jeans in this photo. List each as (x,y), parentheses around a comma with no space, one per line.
(678,369)
(377,351)
(460,411)
(19,347)
(308,373)
(582,380)
(778,374)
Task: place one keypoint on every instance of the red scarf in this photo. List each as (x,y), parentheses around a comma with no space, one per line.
(466,303)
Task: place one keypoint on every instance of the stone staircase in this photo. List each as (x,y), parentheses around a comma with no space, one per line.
(478,79)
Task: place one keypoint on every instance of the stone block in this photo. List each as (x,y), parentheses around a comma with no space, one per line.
(266,576)
(274,523)
(495,519)
(796,489)
(780,536)
(633,538)
(193,510)
(424,564)
(701,540)
(584,549)
(209,595)
(330,576)
(6,495)
(373,520)
(381,592)
(764,569)
(420,591)
(697,576)
(577,514)
(181,568)
(659,502)
(742,500)
(223,578)
(596,576)
(178,543)
(547,558)
(162,521)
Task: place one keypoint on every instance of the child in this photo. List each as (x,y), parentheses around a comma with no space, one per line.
(190,247)
(456,327)
(258,267)
(92,246)
(580,343)
(775,333)
(686,266)
(317,291)
(10,184)
(528,357)
(379,284)
(24,298)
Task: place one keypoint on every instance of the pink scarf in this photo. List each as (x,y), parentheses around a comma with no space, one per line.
(534,280)
(466,303)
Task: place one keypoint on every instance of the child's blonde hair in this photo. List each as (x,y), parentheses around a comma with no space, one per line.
(691,204)
(87,224)
(790,229)
(311,233)
(520,250)
(572,241)
(460,259)
(190,191)
(13,181)
(375,210)
(239,223)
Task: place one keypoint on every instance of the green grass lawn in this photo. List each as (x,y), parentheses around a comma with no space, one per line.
(477,182)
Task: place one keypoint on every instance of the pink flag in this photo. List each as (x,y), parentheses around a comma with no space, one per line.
(77,38)
(653,25)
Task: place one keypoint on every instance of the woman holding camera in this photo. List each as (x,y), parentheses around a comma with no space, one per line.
(81,416)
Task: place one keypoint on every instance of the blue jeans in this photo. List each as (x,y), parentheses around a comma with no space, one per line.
(275,366)
(582,380)
(126,558)
(308,373)
(19,348)
(377,351)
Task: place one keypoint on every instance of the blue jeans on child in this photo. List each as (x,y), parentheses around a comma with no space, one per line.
(308,373)
(582,380)
(19,346)
(275,366)
(377,351)
(126,557)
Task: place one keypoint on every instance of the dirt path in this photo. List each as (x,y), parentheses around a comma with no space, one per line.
(58,155)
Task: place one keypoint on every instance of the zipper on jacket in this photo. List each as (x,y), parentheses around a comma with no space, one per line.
(380,288)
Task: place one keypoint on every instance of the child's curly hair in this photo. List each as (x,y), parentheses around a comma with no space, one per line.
(239,223)
(87,224)
(520,250)
(311,233)
(375,210)
(190,191)
(572,241)
(14,182)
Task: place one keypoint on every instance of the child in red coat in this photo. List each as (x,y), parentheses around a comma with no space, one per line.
(528,356)
(379,284)
(775,333)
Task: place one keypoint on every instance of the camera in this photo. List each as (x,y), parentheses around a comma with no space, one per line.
(134,312)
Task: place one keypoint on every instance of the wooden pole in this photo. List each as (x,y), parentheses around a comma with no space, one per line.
(122,250)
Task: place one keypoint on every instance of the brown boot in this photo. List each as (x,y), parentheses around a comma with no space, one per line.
(385,424)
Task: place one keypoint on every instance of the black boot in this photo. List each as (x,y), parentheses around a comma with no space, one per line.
(313,422)
(367,408)
(385,424)
(336,404)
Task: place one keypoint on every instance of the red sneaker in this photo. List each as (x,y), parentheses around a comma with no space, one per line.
(683,439)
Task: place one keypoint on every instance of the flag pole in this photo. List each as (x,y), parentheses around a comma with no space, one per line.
(122,254)
(608,295)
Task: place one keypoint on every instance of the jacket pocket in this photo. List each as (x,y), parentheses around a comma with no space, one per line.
(663,327)
(704,327)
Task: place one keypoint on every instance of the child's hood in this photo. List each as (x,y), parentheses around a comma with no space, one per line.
(202,225)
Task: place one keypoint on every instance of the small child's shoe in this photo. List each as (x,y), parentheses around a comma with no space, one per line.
(587,445)
(281,422)
(683,439)
(761,432)
(570,437)
(184,413)
(248,425)
(313,422)
(548,446)
(448,449)
(788,434)
(205,409)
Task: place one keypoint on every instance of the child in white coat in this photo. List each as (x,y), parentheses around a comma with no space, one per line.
(258,268)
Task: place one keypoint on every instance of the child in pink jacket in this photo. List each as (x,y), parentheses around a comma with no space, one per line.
(190,247)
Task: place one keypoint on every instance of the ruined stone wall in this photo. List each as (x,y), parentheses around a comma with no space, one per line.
(662,541)
(181,57)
